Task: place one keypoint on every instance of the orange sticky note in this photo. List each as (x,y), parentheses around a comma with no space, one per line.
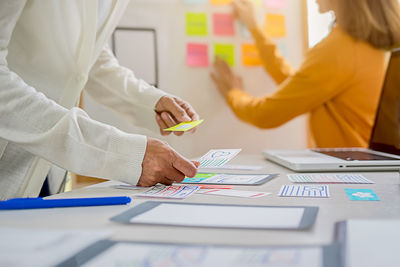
(250,55)
(275,25)
(220,2)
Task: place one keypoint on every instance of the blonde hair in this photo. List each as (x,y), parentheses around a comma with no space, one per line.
(376,22)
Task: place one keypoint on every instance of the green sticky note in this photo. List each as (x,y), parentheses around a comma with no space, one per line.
(184,126)
(204,175)
(226,52)
(196,24)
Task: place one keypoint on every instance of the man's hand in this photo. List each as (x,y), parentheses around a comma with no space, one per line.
(162,164)
(224,77)
(172,111)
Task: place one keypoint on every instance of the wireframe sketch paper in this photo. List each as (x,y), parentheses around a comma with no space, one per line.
(217,157)
(233,193)
(312,191)
(329,178)
(229,179)
(144,254)
(172,191)
(219,216)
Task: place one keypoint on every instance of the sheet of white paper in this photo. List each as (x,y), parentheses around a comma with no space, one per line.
(217,157)
(222,216)
(373,243)
(312,191)
(333,178)
(233,193)
(172,191)
(25,247)
(202,256)
(247,179)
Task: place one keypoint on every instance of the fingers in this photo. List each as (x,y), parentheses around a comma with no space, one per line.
(196,163)
(169,121)
(162,125)
(177,111)
(188,108)
(174,175)
(150,182)
(186,167)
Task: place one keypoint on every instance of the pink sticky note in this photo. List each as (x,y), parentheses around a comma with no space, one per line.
(275,4)
(197,55)
(223,24)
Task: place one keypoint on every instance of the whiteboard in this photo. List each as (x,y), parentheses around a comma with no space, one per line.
(221,129)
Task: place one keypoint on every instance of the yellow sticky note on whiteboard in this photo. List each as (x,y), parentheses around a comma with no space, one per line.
(196,24)
(275,25)
(184,126)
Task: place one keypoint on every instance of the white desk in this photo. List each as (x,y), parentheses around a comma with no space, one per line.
(334,209)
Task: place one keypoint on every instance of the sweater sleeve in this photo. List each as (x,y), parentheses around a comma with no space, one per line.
(271,58)
(67,138)
(321,77)
(118,88)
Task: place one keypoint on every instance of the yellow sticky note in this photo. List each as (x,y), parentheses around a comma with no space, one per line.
(250,55)
(275,25)
(226,52)
(184,126)
(220,2)
(196,24)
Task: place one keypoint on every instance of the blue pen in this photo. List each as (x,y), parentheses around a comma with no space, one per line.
(40,203)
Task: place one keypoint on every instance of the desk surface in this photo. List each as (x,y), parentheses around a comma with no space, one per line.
(333,209)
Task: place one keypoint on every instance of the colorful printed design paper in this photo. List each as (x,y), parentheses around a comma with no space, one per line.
(197,55)
(275,4)
(196,24)
(220,2)
(250,55)
(172,191)
(312,191)
(213,178)
(217,157)
(223,24)
(226,52)
(233,193)
(361,194)
(329,178)
(275,25)
(184,126)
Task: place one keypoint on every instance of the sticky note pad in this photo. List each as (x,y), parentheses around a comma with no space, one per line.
(223,24)
(250,55)
(275,4)
(361,194)
(197,55)
(196,24)
(275,25)
(184,126)
(226,52)
(220,2)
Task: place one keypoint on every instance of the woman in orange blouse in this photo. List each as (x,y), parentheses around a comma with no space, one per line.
(339,82)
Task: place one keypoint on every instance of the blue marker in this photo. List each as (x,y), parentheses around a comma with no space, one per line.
(40,203)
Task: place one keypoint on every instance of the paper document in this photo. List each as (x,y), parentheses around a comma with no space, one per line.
(314,191)
(239,167)
(329,178)
(361,194)
(184,126)
(219,216)
(217,157)
(137,254)
(233,193)
(172,191)
(25,247)
(230,179)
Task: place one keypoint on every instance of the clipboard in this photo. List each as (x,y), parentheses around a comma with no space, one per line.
(219,216)
(329,253)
